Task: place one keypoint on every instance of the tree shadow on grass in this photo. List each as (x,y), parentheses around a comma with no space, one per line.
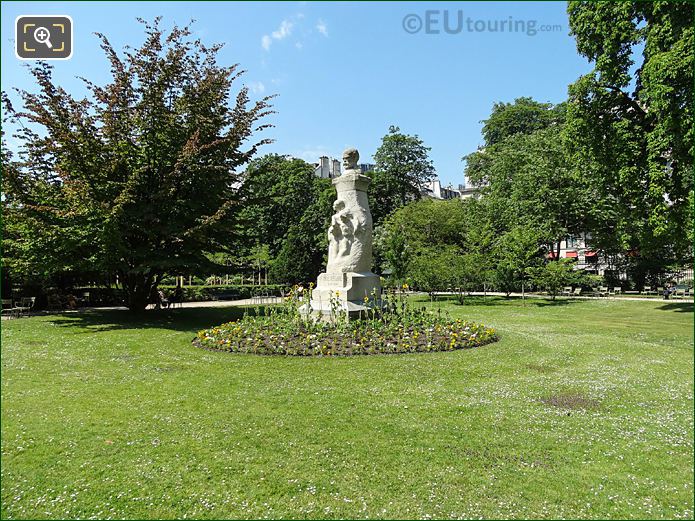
(679,307)
(183,319)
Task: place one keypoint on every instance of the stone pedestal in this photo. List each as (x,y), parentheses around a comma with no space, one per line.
(353,294)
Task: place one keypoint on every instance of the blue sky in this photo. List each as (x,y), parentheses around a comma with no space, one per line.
(345,71)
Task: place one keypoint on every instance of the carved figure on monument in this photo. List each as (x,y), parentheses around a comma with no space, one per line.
(350,158)
(341,234)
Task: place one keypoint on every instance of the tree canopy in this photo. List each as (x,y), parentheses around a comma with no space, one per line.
(141,176)
(524,116)
(287,208)
(630,126)
(402,168)
(526,177)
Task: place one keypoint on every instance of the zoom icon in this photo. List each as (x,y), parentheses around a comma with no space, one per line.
(43,37)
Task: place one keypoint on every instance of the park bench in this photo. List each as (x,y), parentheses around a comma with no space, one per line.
(681,292)
(601,291)
(25,305)
(8,308)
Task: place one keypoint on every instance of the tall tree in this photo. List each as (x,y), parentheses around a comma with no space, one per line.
(287,209)
(277,190)
(630,127)
(138,178)
(402,168)
(524,116)
(304,250)
(514,253)
(526,176)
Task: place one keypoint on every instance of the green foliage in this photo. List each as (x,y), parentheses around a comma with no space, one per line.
(137,179)
(301,258)
(278,190)
(432,270)
(422,243)
(630,128)
(514,253)
(524,116)
(527,177)
(440,245)
(287,210)
(554,276)
(425,224)
(402,167)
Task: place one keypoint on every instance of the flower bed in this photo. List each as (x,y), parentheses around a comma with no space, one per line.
(281,331)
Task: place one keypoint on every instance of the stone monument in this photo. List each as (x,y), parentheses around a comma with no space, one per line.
(348,280)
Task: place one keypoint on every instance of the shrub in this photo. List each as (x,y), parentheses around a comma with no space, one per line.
(202,293)
(554,276)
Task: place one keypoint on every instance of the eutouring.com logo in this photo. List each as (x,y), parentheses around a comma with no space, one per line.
(445,21)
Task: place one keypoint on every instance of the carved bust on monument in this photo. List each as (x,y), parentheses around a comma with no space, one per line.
(348,274)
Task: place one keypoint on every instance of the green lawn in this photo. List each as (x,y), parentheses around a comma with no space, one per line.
(582,409)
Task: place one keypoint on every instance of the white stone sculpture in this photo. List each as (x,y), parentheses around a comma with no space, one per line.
(348,278)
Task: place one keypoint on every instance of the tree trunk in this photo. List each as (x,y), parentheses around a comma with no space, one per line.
(138,287)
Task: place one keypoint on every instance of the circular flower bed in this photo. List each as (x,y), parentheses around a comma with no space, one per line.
(281,334)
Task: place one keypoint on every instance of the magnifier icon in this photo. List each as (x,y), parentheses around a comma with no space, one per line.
(42,35)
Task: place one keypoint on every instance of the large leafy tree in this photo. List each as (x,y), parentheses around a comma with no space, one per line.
(514,253)
(287,209)
(447,233)
(277,191)
(525,173)
(402,168)
(524,116)
(139,177)
(630,127)
(304,251)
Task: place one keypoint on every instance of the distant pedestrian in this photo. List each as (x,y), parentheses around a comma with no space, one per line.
(162,301)
(669,290)
(178,295)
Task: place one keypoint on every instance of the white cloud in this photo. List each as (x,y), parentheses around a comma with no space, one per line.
(281,33)
(266,41)
(284,30)
(257,87)
(322,28)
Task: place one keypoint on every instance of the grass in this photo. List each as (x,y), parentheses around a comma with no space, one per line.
(582,409)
